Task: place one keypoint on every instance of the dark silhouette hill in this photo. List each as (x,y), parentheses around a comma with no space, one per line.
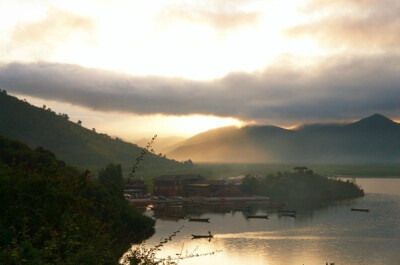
(71,142)
(52,213)
(372,139)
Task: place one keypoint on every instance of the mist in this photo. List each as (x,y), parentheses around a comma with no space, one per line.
(372,139)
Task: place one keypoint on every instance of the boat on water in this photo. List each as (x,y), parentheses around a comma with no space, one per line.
(206,220)
(289,214)
(360,210)
(202,236)
(258,216)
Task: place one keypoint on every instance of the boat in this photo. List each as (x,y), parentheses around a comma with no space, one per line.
(359,210)
(206,220)
(258,216)
(289,214)
(202,236)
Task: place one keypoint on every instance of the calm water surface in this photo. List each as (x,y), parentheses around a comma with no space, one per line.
(328,234)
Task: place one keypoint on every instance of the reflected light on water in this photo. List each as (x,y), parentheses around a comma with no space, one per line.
(203,247)
(248,251)
(329,234)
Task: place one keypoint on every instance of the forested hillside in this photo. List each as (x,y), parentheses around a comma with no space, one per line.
(51,213)
(71,142)
(301,187)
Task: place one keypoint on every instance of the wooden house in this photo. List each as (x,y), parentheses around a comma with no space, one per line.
(136,188)
(174,185)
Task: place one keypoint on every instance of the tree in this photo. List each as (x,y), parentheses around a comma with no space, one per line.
(188,163)
(250,185)
(51,213)
(111,178)
(79,122)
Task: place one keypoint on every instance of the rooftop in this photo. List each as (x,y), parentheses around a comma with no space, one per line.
(178,177)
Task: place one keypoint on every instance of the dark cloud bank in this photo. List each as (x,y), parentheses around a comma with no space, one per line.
(333,89)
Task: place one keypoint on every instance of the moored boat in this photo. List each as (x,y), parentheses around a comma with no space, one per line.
(206,220)
(258,216)
(359,210)
(289,214)
(202,236)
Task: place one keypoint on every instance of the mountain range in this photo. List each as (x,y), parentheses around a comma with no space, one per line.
(372,139)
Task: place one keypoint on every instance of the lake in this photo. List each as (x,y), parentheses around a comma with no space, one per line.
(331,233)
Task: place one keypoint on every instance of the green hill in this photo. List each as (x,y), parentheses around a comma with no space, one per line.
(74,144)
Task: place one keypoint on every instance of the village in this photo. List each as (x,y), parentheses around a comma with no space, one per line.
(179,187)
(171,192)
(189,185)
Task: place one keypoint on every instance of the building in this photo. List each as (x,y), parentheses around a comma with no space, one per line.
(135,188)
(198,189)
(174,185)
(214,188)
(225,188)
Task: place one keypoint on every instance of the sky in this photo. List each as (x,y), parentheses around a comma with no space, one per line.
(176,68)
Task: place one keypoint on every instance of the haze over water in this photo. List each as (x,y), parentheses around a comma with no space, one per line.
(328,234)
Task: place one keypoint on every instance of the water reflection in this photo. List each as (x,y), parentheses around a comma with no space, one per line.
(327,233)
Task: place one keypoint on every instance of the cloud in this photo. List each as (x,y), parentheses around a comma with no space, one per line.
(219,15)
(335,88)
(57,27)
(353,24)
(318,5)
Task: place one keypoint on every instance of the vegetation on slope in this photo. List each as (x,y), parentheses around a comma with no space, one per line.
(301,187)
(71,142)
(51,213)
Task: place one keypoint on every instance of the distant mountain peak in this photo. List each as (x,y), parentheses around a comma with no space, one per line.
(375,120)
(378,116)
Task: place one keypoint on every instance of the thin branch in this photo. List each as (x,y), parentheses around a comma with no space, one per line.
(140,158)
